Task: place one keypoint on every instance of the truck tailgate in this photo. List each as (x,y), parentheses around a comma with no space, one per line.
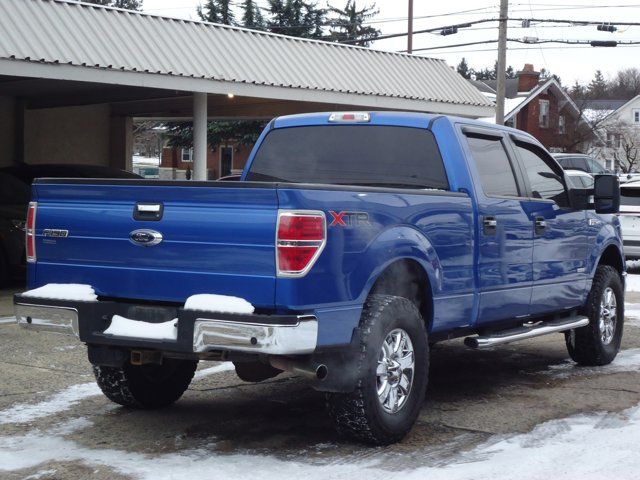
(216,238)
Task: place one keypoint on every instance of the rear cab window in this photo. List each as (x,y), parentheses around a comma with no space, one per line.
(368,155)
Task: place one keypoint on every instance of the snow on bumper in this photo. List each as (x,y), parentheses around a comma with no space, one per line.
(197,331)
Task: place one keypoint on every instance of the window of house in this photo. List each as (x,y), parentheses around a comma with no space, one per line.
(546,183)
(494,167)
(561,125)
(614,140)
(187,154)
(636,115)
(544,114)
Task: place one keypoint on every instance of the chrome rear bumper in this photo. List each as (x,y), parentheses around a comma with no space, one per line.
(47,318)
(272,339)
(198,332)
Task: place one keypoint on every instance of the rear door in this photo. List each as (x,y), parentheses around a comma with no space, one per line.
(215,238)
(505,233)
(560,233)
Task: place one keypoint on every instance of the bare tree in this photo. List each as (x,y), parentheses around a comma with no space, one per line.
(584,133)
(624,139)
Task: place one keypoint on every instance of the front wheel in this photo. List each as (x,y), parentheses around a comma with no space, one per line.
(598,343)
(392,374)
(146,386)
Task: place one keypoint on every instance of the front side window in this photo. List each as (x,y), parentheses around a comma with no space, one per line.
(494,167)
(544,113)
(545,182)
(368,155)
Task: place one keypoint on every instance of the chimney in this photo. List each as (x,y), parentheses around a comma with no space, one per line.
(528,78)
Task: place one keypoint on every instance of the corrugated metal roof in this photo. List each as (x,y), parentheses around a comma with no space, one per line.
(87,35)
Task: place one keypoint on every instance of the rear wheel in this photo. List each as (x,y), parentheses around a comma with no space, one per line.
(392,374)
(599,342)
(146,386)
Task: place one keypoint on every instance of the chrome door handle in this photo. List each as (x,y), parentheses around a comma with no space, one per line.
(489,225)
(540,225)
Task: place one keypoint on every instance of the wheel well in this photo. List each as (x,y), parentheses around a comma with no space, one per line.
(611,256)
(406,278)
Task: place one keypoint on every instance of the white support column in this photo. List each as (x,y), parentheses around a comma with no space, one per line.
(200,136)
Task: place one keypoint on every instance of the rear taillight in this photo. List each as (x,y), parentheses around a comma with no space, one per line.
(31,232)
(301,236)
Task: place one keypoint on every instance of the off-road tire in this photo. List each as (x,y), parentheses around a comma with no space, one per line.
(585,344)
(359,415)
(146,386)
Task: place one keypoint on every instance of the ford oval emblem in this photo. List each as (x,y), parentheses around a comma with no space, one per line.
(145,238)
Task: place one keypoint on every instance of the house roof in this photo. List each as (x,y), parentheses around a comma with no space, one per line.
(491,86)
(60,38)
(602,104)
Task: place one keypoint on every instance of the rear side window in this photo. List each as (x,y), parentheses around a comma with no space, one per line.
(545,182)
(369,155)
(494,167)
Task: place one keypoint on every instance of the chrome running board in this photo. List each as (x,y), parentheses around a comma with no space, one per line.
(525,332)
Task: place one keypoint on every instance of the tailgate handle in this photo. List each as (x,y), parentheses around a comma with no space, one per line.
(151,212)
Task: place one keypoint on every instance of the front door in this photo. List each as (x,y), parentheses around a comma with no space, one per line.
(560,234)
(505,246)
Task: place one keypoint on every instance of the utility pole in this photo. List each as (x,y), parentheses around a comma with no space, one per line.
(502,61)
(410,29)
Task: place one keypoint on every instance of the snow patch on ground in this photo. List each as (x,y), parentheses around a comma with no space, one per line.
(205,372)
(550,450)
(559,449)
(64,400)
(633,283)
(69,397)
(64,291)
(218,303)
(626,361)
(124,327)
(632,314)
(35,448)
(41,474)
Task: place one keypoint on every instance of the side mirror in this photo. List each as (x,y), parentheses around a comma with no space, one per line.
(581,198)
(607,194)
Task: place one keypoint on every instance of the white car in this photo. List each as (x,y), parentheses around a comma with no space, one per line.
(630,219)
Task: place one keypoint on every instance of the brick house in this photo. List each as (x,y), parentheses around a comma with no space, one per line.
(541,107)
(177,163)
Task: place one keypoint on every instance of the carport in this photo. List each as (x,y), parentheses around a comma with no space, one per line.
(74,76)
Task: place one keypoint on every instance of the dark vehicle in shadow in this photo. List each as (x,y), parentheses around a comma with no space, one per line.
(15,192)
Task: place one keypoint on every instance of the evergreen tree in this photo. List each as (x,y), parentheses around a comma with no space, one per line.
(217,11)
(463,68)
(349,24)
(598,86)
(126,4)
(296,18)
(251,16)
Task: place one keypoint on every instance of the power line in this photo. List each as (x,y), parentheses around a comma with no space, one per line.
(532,47)
(533,42)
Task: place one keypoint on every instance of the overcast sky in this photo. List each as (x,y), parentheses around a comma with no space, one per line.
(569,62)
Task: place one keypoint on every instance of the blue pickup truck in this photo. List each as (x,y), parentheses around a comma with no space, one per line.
(352,243)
